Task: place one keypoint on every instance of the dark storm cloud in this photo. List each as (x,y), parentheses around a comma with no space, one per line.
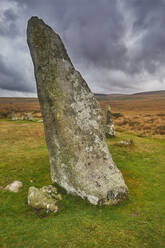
(117,45)
(92,30)
(149,20)
(8,25)
(12,79)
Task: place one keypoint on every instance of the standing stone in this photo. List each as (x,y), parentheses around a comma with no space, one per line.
(14,116)
(109,127)
(22,117)
(30,117)
(79,156)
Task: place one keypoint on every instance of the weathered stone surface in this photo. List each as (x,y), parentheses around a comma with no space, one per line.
(110,131)
(14,186)
(73,121)
(125,143)
(22,116)
(44,198)
(109,127)
(30,117)
(14,116)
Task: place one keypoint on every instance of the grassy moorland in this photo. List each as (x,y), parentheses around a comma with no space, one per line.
(141,114)
(137,222)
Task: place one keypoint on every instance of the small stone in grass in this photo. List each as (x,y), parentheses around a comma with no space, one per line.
(14,186)
(44,198)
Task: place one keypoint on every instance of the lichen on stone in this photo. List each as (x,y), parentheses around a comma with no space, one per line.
(73,121)
(44,198)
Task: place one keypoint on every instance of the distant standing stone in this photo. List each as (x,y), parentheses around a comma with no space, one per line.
(14,187)
(109,127)
(14,116)
(22,117)
(30,117)
(73,121)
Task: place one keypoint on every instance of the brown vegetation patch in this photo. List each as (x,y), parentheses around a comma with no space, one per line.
(143,114)
(19,105)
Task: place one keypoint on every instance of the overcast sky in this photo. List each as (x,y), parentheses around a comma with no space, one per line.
(117,45)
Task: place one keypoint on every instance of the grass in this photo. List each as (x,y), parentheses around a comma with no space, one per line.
(136,222)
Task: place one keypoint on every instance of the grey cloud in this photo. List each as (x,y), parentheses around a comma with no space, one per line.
(92,30)
(10,15)
(8,25)
(94,33)
(12,79)
(149,20)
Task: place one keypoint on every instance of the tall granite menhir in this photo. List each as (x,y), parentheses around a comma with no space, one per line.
(73,121)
